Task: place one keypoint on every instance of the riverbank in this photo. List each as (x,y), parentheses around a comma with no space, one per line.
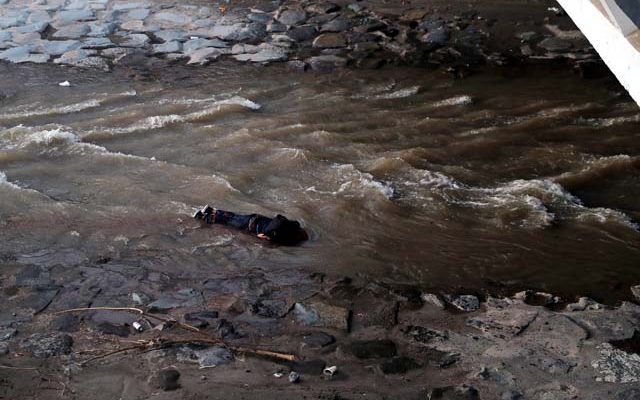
(386,340)
(458,37)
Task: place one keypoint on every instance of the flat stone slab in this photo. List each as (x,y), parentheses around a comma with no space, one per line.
(196,44)
(203,56)
(135,40)
(101,28)
(57,47)
(68,17)
(262,56)
(168,47)
(74,31)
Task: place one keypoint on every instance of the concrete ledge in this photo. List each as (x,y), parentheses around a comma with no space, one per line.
(617,51)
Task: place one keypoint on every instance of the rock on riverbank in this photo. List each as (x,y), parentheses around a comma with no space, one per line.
(386,340)
(319,34)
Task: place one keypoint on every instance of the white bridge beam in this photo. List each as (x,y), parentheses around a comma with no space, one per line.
(614,34)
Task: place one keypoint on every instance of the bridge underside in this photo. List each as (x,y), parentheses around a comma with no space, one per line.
(613,28)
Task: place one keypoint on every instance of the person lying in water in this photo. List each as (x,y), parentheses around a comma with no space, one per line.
(278,230)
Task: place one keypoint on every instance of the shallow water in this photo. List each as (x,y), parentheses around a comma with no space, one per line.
(400,174)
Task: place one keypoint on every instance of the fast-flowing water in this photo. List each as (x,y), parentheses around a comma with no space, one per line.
(399,174)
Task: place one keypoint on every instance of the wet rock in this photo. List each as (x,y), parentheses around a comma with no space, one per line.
(297,66)
(100,29)
(292,16)
(503,322)
(628,394)
(317,340)
(57,47)
(170,18)
(166,379)
(461,392)
(263,56)
(74,56)
(226,330)
(511,395)
(267,308)
(40,297)
(316,313)
(239,32)
(554,366)
(369,313)
(96,43)
(302,33)
(37,27)
(555,45)
(336,25)
(7,333)
(330,41)
(172,35)
(32,275)
(44,345)
(617,366)
(182,298)
(326,63)
(9,21)
(465,302)
(433,299)
(398,365)
(200,319)
(635,290)
(73,31)
(438,37)
(195,44)
(113,329)
(206,358)
(322,8)
(22,39)
(275,27)
(135,40)
(584,303)
(425,335)
(66,323)
(367,349)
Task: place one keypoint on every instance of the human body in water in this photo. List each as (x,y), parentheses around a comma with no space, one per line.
(278,230)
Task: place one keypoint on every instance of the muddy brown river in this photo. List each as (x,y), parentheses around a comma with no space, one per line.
(399,174)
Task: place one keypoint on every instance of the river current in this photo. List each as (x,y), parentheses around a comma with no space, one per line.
(399,174)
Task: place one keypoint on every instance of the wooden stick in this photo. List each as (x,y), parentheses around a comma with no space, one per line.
(18,368)
(266,353)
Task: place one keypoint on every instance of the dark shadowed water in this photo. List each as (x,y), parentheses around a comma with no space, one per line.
(400,174)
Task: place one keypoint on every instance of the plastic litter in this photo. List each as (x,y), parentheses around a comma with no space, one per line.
(278,374)
(329,372)
(64,84)
(294,377)
(138,326)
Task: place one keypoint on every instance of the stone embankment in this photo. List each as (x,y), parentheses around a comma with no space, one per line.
(306,34)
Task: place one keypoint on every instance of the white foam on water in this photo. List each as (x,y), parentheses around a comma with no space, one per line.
(64,109)
(399,94)
(6,183)
(161,121)
(359,183)
(53,142)
(603,215)
(461,100)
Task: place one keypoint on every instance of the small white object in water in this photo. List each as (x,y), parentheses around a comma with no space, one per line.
(64,84)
